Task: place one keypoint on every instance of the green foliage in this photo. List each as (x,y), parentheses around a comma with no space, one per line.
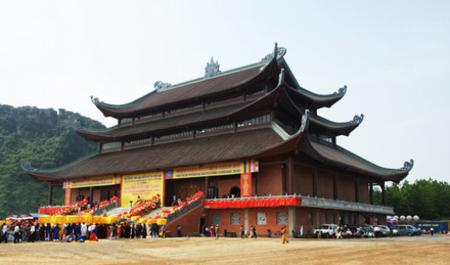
(45,138)
(428,199)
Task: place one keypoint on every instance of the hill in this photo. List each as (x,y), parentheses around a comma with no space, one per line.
(44,137)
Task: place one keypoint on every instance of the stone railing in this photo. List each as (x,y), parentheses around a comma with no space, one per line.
(184,210)
(316,202)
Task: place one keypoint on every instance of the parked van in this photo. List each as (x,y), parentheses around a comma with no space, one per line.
(407,230)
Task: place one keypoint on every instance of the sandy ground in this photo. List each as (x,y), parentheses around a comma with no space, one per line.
(401,250)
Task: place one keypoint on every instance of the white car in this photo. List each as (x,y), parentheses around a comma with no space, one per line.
(326,230)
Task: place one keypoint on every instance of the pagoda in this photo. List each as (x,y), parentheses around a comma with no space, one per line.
(249,138)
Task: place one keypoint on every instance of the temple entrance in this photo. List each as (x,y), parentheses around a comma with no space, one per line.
(108,192)
(235,192)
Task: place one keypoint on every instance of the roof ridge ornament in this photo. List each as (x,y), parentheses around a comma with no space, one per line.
(212,68)
(278,51)
(161,86)
(358,119)
(305,121)
(408,165)
(26,166)
(95,100)
(342,91)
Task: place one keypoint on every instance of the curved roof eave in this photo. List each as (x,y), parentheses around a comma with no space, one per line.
(126,110)
(337,128)
(273,95)
(315,100)
(353,162)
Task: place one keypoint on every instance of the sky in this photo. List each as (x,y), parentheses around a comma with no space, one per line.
(394,56)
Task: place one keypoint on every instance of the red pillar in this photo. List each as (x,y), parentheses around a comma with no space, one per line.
(68,196)
(246,184)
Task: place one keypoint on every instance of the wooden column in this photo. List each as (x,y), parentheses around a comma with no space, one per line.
(315,181)
(50,193)
(335,192)
(356,189)
(246,184)
(290,175)
(91,195)
(383,201)
(291,219)
(67,196)
(206,186)
(371,192)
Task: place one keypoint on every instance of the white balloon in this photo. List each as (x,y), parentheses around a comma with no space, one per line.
(409,217)
(396,217)
(402,218)
(416,217)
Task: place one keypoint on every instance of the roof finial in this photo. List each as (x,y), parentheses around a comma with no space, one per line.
(278,52)
(95,100)
(341,91)
(358,119)
(212,68)
(160,85)
(26,166)
(408,165)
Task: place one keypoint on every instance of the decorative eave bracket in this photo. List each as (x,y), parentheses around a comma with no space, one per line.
(408,165)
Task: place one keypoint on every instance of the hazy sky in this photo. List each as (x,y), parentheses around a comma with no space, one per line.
(394,58)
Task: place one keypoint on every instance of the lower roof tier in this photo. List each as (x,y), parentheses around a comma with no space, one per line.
(249,144)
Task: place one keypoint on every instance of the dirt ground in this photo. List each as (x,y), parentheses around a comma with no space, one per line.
(401,250)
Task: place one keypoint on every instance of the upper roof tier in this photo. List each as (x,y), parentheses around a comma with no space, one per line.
(214,85)
(282,97)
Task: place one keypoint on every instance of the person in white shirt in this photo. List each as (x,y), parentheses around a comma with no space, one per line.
(16,234)
(32,233)
(92,233)
(4,237)
(83,231)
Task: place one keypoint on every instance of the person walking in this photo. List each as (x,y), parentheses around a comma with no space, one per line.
(216,231)
(253,232)
(242,231)
(284,235)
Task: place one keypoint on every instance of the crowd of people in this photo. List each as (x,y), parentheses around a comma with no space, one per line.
(78,232)
(33,231)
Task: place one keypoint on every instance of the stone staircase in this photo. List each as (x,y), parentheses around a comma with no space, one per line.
(116,211)
(156,212)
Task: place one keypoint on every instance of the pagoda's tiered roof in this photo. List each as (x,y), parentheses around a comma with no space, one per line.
(282,96)
(256,143)
(210,88)
(281,92)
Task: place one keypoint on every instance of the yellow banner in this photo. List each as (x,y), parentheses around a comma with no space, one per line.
(217,169)
(92,182)
(143,185)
